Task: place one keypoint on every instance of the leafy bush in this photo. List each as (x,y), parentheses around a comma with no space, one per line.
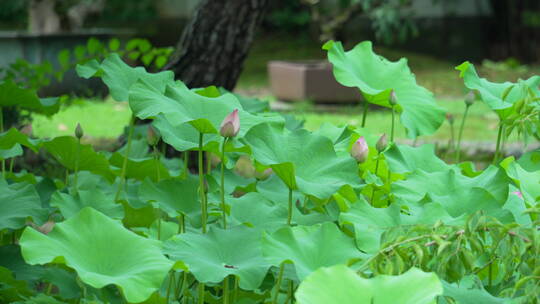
(275,213)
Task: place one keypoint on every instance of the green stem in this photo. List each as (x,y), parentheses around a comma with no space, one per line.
(235,292)
(498,147)
(2,131)
(181,224)
(290,292)
(11,162)
(460,134)
(376,171)
(159,224)
(393,122)
(126,156)
(186,163)
(365,113)
(226,290)
(77,159)
(200,290)
(278,282)
(223,205)
(180,289)
(201,184)
(171,280)
(290,212)
(157,157)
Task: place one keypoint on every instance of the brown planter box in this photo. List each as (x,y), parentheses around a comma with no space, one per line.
(308,80)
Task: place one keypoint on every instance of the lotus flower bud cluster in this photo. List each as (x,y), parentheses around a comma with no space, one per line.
(360,150)
(152,137)
(382,143)
(230,125)
(79,131)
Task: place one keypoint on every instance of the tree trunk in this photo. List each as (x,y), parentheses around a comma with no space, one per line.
(216,42)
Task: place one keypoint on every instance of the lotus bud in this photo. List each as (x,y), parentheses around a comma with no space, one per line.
(382,143)
(230,125)
(393,98)
(360,150)
(79,131)
(264,174)
(470,98)
(152,137)
(450,118)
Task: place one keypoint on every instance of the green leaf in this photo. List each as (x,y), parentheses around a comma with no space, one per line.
(527,182)
(219,253)
(184,137)
(406,159)
(303,160)
(309,247)
(13,95)
(114,44)
(119,77)
(341,285)
(464,293)
(140,168)
(70,205)
(64,150)
(13,136)
(174,196)
(376,77)
(102,252)
(492,92)
(179,105)
(19,202)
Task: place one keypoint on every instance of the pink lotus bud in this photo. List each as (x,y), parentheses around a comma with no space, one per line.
(393,98)
(382,143)
(360,150)
(230,125)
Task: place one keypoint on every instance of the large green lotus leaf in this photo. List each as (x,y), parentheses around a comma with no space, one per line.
(13,95)
(458,194)
(530,161)
(14,151)
(309,247)
(466,293)
(304,161)
(140,168)
(179,105)
(492,93)
(370,222)
(70,205)
(185,137)
(528,182)
(64,150)
(18,203)
(12,289)
(13,136)
(341,285)
(219,253)
(376,77)
(102,252)
(174,196)
(406,159)
(119,76)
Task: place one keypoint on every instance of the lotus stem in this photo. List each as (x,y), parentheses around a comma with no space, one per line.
(226,290)
(200,290)
(180,289)
(376,171)
(124,164)
(393,122)
(223,205)
(77,159)
(460,134)
(157,157)
(365,113)
(498,146)
(278,283)
(181,224)
(171,280)
(235,292)
(2,131)
(186,163)
(201,184)
(290,292)
(11,163)
(290,211)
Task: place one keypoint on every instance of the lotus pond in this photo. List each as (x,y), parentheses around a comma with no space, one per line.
(219,200)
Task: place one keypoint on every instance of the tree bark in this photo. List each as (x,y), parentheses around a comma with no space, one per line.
(216,42)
